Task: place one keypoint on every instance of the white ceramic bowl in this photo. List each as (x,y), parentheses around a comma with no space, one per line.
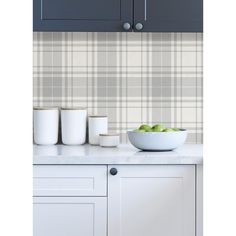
(157,141)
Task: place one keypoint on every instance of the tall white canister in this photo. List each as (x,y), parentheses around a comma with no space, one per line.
(97,125)
(73,125)
(46,123)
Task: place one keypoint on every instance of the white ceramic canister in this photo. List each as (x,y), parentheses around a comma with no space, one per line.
(109,140)
(73,125)
(46,123)
(97,125)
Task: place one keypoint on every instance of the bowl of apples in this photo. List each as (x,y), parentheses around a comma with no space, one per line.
(157,137)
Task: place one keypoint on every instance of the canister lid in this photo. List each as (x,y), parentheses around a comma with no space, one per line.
(46,108)
(73,108)
(92,116)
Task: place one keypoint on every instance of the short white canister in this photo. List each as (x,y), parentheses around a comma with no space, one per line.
(73,125)
(109,140)
(97,125)
(46,123)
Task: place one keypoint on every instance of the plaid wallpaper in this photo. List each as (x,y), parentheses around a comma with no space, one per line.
(133,78)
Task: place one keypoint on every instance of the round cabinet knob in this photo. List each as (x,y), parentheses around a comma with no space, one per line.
(139,26)
(126,26)
(113,171)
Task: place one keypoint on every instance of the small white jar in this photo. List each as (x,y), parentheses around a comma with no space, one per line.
(97,125)
(109,140)
(46,122)
(73,125)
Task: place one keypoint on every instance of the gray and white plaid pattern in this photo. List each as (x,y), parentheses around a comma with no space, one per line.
(133,78)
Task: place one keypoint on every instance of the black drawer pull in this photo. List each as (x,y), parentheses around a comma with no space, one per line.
(113,171)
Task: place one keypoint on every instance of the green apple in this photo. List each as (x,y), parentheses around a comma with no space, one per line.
(139,130)
(150,130)
(147,128)
(168,130)
(176,129)
(158,128)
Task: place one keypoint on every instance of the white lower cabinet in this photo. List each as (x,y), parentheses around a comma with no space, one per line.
(141,200)
(70,216)
(151,201)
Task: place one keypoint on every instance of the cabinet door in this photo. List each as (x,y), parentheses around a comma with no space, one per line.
(169,15)
(70,216)
(152,200)
(82,15)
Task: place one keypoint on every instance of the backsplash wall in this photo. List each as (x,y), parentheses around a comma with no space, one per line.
(133,78)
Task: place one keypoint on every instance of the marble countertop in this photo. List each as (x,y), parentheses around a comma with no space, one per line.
(124,154)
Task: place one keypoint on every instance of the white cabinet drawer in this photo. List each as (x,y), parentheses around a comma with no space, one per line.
(69,180)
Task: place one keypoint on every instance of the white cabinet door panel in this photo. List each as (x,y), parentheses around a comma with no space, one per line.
(70,180)
(70,216)
(152,201)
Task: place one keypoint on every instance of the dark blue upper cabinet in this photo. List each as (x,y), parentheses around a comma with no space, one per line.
(118,15)
(83,15)
(168,15)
